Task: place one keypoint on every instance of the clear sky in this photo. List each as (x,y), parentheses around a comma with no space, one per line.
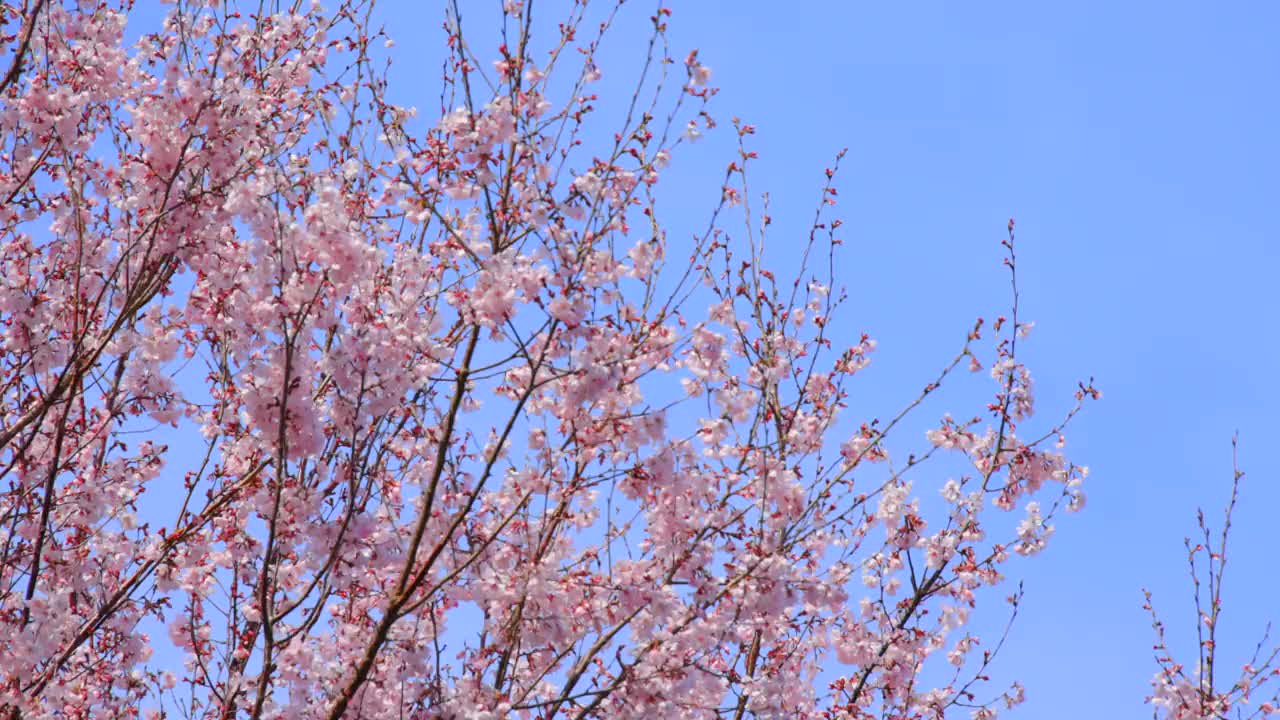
(1136,144)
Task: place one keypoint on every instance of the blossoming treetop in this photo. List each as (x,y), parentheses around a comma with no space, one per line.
(473,437)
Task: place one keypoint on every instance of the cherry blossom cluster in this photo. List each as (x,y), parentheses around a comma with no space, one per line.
(314,406)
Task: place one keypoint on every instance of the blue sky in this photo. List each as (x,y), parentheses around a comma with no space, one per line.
(1136,144)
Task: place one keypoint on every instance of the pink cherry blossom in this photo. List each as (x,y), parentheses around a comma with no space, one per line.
(311,407)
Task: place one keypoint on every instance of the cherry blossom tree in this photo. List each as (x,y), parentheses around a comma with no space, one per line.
(313,406)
